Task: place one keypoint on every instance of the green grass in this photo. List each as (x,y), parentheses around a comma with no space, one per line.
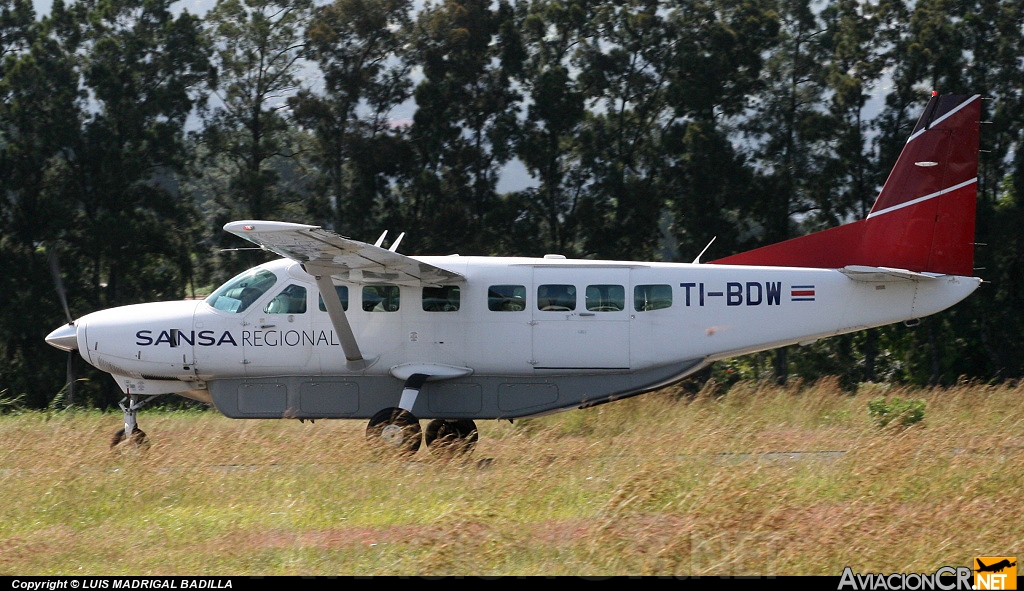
(762,481)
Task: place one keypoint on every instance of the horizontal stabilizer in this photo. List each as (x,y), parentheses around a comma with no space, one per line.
(884,274)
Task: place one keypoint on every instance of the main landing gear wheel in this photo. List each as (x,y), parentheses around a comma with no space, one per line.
(394,430)
(451,437)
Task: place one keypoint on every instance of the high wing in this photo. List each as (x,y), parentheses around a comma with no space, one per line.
(349,260)
(325,254)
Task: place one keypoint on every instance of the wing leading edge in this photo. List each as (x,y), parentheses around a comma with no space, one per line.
(349,260)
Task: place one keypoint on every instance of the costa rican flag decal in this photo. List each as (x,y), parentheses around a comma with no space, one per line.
(802,293)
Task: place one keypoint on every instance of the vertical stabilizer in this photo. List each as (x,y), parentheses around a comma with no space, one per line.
(923,218)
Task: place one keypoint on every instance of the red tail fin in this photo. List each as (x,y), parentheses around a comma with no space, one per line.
(923,219)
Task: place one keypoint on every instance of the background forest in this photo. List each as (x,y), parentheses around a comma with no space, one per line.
(132,130)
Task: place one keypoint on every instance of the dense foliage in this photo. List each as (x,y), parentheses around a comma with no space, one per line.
(132,130)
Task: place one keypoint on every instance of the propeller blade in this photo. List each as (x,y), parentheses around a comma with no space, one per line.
(71,378)
(51,256)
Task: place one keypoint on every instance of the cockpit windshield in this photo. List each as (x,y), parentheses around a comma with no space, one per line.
(236,295)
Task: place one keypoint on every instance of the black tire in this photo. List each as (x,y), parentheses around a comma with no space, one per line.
(439,432)
(468,434)
(138,437)
(451,437)
(394,430)
(467,430)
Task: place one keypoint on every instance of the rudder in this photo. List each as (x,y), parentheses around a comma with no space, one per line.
(923,219)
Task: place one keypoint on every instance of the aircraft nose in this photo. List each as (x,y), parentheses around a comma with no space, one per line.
(65,337)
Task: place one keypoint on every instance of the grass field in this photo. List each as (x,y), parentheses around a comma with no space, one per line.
(762,481)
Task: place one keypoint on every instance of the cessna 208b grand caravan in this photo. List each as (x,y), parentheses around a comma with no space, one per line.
(344,329)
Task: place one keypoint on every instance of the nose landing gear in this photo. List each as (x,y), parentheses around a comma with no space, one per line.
(130,410)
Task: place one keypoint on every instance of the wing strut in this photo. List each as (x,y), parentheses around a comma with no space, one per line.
(332,302)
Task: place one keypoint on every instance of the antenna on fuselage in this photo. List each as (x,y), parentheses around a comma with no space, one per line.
(381,239)
(696,261)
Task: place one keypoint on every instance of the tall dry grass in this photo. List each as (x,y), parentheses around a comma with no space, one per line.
(762,481)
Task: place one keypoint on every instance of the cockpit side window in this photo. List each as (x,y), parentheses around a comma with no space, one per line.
(240,292)
(291,300)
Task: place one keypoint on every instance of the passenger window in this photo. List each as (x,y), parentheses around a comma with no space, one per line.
(291,300)
(342,295)
(556,298)
(651,297)
(380,298)
(606,298)
(506,298)
(441,299)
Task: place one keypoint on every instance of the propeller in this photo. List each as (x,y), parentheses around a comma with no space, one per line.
(51,256)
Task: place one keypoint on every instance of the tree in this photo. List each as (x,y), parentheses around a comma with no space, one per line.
(93,123)
(257,50)
(357,45)
(17,30)
(923,49)
(542,218)
(793,135)
(38,115)
(626,90)
(464,123)
(714,73)
(989,323)
(852,71)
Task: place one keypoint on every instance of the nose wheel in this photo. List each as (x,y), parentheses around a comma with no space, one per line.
(138,437)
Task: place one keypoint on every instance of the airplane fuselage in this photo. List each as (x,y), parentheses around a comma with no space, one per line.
(517,337)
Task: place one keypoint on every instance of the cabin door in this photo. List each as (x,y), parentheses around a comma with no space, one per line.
(277,337)
(580,318)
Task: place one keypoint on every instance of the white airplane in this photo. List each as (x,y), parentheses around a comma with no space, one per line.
(344,329)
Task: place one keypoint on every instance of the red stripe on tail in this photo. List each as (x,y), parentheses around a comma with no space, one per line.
(923,218)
